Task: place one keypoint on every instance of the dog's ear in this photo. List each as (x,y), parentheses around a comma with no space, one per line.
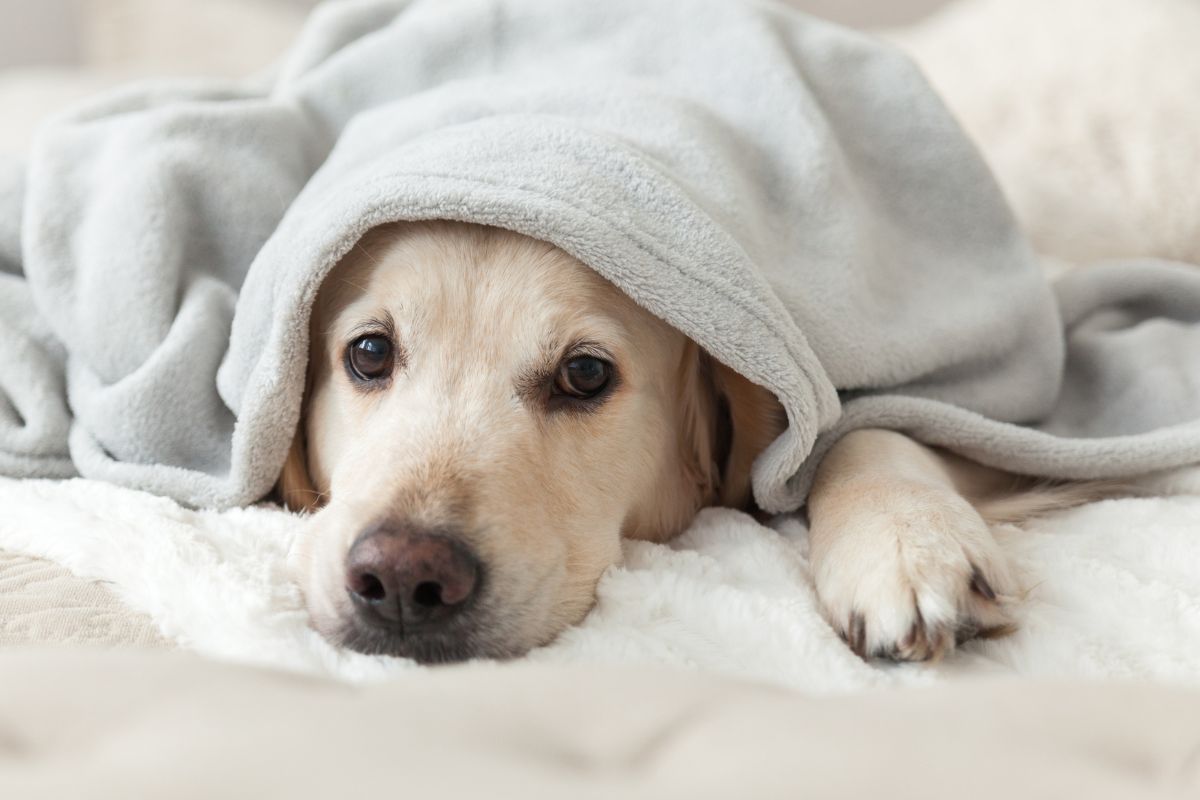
(295,487)
(726,421)
(699,415)
(748,419)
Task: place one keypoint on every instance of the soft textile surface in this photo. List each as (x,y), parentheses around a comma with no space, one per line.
(43,602)
(1114,591)
(142,726)
(790,194)
(1114,586)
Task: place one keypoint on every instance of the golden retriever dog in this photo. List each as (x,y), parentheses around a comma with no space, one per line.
(486,418)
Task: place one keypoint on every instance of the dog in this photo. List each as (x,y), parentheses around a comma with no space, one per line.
(485,419)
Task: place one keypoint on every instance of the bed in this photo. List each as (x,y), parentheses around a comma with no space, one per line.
(1114,587)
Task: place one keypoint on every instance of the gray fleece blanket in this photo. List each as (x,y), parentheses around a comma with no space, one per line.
(789,194)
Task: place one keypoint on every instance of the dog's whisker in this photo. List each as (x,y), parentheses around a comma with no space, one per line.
(358,286)
(359,246)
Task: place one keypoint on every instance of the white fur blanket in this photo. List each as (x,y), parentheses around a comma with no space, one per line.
(1114,590)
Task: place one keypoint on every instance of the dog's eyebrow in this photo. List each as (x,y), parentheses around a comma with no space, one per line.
(534,376)
(587,347)
(382,323)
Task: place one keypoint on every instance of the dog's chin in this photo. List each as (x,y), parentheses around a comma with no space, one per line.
(442,647)
(426,649)
(423,649)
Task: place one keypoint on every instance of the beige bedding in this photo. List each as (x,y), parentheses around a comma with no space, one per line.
(169,725)
(43,602)
(76,723)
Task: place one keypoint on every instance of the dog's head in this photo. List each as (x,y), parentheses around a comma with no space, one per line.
(485,418)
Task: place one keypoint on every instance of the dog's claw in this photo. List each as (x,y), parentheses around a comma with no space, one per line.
(856,634)
(965,632)
(922,643)
(980,585)
(925,641)
(935,577)
(996,631)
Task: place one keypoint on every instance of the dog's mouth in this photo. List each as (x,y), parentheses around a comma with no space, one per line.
(493,626)
(427,596)
(462,641)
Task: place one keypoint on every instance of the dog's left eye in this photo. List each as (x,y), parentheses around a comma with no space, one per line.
(583,377)
(369,358)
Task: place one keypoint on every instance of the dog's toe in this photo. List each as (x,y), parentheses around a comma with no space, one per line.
(903,591)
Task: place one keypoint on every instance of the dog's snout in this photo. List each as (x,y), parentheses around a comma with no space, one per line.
(410,579)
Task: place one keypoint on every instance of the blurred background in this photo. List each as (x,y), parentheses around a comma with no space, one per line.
(55,51)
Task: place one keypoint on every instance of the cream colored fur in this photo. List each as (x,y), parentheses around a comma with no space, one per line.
(456,443)
(1086,112)
(904,563)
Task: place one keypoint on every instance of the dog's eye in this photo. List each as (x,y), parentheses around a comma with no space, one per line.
(369,358)
(583,377)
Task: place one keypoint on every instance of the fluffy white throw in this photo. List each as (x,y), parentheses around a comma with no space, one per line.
(1114,591)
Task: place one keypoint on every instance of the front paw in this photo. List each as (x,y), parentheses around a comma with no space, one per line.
(910,573)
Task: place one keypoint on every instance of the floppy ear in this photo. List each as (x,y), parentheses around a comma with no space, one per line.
(295,486)
(726,422)
(699,415)
(748,419)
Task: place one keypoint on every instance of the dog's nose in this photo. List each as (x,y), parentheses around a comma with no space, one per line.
(410,579)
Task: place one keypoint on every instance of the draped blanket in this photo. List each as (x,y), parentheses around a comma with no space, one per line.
(790,194)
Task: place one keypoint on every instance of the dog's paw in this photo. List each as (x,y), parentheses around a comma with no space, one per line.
(912,572)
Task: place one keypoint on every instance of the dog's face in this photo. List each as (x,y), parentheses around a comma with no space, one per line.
(485,418)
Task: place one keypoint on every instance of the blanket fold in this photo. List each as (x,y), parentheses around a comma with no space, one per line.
(790,194)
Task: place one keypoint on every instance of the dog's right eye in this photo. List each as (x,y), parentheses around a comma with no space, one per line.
(369,358)
(583,377)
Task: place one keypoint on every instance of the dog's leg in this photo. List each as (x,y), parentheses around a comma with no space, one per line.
(904,565)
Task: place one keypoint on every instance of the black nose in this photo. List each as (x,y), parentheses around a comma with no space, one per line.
(407,579)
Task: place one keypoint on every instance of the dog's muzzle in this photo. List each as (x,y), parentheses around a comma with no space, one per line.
(410,590)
